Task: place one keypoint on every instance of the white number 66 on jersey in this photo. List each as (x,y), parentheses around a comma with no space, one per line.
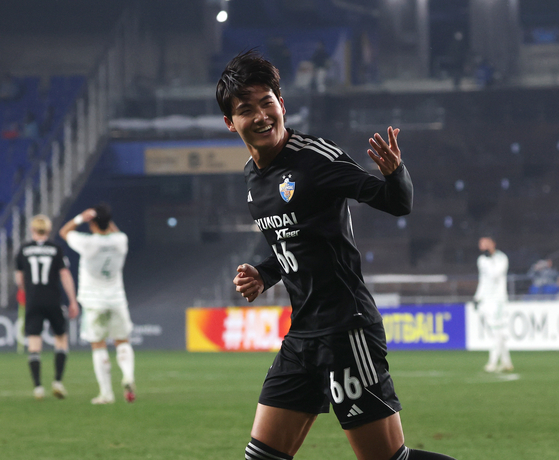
(286,258)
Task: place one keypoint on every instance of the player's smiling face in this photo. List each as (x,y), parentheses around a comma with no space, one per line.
(258,118)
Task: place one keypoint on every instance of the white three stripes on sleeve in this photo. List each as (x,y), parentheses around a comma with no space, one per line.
(319,146)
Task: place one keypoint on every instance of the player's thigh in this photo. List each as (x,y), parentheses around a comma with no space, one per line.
(94,326)
(281,429)
(494,315)
(34,343)
(293,382)
(291,397)
(61,342)
(356,376)
(377,440)
(120,324)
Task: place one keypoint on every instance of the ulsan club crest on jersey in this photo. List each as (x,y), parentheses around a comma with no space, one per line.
(287,189)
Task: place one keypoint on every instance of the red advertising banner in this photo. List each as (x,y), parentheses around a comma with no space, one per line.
(236,328)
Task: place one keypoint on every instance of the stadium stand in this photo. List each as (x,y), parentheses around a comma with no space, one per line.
(18,153)
(481,160)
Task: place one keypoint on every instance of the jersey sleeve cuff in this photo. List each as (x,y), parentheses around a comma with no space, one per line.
(397,171)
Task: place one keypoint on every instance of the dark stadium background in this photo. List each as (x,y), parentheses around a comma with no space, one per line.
(483,153)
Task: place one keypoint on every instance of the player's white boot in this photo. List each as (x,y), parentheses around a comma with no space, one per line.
(58,390)
(490,368)
(103,399)
(125,359)
(102,368)
(505,368)
(129,391)
(39,393)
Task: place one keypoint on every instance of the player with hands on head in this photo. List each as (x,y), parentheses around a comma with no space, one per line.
(102,296)
(298,186)
(40,269)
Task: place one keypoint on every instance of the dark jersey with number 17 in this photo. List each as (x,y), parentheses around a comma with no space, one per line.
(299,202)
(41,263)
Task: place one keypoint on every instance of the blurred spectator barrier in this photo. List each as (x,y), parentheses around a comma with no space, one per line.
(62,165)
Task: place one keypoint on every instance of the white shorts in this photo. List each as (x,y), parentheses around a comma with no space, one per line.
(98,324)
(494,313)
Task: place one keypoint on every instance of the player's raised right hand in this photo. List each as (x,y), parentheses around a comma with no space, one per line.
(89,214)
(248,282)
(387,156)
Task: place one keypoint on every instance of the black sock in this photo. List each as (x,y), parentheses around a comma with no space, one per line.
(34,360)
(424,455)
(257,450)
(405,453)
(59,363)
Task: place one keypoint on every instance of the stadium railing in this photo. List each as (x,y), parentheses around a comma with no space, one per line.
(69,153)
(393,290)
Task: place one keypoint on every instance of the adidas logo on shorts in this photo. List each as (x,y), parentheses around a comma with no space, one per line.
(354,411)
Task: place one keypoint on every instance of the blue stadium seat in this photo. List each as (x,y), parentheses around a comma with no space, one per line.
(17,155)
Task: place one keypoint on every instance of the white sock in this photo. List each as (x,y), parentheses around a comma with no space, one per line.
(494,353)
(505,354)
(102,368)
(125,360)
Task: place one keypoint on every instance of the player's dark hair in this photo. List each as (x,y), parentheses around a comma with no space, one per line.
(489,235)
(104,216)
(244,70)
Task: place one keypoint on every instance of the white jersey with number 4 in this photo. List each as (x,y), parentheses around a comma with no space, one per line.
(100,270)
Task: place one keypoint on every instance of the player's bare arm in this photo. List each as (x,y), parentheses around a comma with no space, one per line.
(19,279)
(113,228)
(71,225)
(386,156)
(248,282)
(70,288)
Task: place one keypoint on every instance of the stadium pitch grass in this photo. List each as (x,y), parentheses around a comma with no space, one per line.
(200,406)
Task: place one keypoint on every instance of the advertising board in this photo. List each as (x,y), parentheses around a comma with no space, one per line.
(429,327)
(153,329)
(528,326)
(424,327)
(236,328)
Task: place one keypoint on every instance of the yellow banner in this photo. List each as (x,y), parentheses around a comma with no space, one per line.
(195,160)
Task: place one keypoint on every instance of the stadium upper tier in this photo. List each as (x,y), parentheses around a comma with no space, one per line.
(29,116)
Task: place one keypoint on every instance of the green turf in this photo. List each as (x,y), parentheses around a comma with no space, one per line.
(200,407)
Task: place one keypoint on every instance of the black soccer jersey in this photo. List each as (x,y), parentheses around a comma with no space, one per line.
(299,202)
(41,263)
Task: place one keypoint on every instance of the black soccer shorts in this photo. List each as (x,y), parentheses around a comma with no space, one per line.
(36,315)
(346,369)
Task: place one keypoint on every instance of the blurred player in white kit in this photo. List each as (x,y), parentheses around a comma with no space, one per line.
(491,298)
(102,296)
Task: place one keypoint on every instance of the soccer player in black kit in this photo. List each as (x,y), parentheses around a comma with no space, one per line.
(40,269)
(334,352)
